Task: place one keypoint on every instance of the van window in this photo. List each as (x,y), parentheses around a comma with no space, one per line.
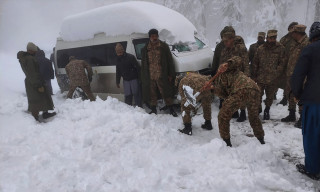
(138,45)
(96,55)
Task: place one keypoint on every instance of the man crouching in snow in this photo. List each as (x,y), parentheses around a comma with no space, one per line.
(38,98)
(237,89)
(195,83)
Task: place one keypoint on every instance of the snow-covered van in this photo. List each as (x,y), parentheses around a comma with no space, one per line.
(92,36)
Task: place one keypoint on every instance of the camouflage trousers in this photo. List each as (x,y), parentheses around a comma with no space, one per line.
(292,103)
(283,85)
(270,90)
(251,99)
(86,89)
(154,85)
(206,106)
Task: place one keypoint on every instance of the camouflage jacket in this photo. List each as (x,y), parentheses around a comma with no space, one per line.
(252,50)
(76,72)
(196,82)
(233,80)
(294,54)
(268,63)
(288,42)
(237,50)
(154,60)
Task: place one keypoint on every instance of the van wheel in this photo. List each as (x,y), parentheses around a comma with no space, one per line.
(79,93)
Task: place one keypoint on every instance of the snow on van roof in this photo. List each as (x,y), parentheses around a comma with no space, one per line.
(127,18)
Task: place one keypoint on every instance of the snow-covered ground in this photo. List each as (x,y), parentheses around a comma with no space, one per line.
(109,146)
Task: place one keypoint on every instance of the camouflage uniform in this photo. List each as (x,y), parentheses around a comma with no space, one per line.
(267,66)
(238,90)
(293,57)
(76,72)
(253,49)
(196,82)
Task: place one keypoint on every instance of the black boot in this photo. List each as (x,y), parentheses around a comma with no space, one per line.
(261,140)
(242,117)
(235,115)
(298,124)
(302,169)
(228,142)
(172,112)
(207,125)
(46,115)
(283,102)
(153,110)
(266,114)
(187,129)
(291,117)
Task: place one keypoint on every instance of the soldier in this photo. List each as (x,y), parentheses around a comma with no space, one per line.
(39,98)
(194,81)
(301,40)
(217,53)
(76,72)
(253,47)
(157,73)
(128,68)
(234,46)
(287,41)
(238,90)
(268,64)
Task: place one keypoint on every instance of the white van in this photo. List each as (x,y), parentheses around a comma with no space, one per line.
(99,50)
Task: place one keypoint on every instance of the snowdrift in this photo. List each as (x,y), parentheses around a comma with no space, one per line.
(127,18)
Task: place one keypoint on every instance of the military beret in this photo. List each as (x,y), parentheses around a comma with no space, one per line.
(291,25)
(299,28)
(32,47)
(261,34)
(272,33)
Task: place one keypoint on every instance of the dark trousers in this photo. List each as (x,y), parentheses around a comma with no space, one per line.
(311,137)
(132,90)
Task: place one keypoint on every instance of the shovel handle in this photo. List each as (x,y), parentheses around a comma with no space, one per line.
(210,81)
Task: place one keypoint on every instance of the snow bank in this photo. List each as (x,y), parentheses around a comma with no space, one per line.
(127,18)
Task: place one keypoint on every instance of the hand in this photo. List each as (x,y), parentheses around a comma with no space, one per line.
(223,68)
(170,78)
(118,85)
(41,89)
(212,87)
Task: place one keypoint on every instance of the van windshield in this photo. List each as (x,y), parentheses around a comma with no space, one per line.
(194,46)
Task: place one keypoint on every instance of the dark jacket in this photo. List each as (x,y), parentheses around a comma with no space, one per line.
(45,66)
(308,66)
(127,67)
(167,68)
(216,57)
(38,101)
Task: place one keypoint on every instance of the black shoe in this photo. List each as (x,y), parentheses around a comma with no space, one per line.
(283,102)
(207,125)
(298,124)
(302,169)
(261,140)
(153,110)
(290,118)
(172,112)
(242,117)
(266,114)
(187,129)
(228,142)
(235,115)
(47,115)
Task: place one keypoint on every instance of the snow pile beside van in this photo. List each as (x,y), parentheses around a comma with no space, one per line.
(127,18)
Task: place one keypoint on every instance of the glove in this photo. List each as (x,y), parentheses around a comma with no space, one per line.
(41,89)
(90,79)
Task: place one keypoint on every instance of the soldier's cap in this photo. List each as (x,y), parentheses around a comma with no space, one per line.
(72,58)
(261,34)
(227,29)
(228,35)
(32,47)
(291,26)
(272,33)
(119,47)
(299,28)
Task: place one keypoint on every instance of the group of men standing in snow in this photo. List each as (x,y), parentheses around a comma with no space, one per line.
(241,79)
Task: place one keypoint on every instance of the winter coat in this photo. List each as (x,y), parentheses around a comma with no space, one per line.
(127,67)
(38,101)
(308,66)
(45,66)
(75,70)
(268,63)
(167,69)
(216,57)
(253,49)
